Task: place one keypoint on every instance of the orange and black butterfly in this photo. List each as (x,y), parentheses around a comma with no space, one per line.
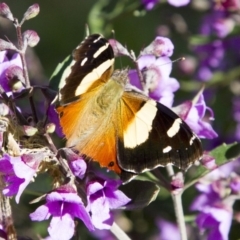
(119,127)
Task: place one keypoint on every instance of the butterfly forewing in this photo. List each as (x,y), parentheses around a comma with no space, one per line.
(93,60)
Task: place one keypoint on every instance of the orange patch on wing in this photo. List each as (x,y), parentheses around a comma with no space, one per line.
(69,117)
(100,145)
(102,148)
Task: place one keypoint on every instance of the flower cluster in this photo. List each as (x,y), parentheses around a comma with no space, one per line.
(218,23)
(219,191)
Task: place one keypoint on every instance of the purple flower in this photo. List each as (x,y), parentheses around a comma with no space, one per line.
(156,73)
(217,221)
(193,112)
(214,215)
(103,196)
(168,230)
(231,5)
(160,47)
(178,3)
(149,4)
(63,205)
(76,163)
(211,56)
(18,172)
(217,196)
(5,63)
(217,22)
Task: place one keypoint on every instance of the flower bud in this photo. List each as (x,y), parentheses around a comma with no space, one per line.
(50,128)
(118,48)
(6,12)
(4,109)
(29,131)
(208,161)
(30,38)
(4,45)
(177,183)
(14,75)
(160,47)
(31,12)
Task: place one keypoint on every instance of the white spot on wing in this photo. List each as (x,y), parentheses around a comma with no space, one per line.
(96,40)
(84,61)
(167,149)
(65,74)
(192,139)
(173,130)
(93,76)
(138,131)
(100,50)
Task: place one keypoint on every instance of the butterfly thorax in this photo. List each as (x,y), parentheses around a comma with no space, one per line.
(109,95)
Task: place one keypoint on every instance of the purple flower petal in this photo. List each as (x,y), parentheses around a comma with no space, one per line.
(178,3)
(101,216)
(21,171)
(103,196)
(168,230)
(61,227)
(116,199)
(40,214)
(149,4)
(63,205)
(195,115)
(217,221)
(118,48)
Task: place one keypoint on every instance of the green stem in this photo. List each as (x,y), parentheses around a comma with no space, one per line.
(178,208)
(177,202)
(118,232)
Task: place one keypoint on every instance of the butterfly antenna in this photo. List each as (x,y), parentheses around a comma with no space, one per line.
(176,60)
(87,30)
(118,50)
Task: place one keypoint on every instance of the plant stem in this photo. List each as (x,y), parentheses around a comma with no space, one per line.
(21,53)
(177,202)
(6,219)
(118,232)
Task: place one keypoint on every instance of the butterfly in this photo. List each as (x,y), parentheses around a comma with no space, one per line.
(107,121)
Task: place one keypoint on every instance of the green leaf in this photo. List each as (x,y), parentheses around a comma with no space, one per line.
(199,40)
(222,154)
(60,73)
(141,192)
